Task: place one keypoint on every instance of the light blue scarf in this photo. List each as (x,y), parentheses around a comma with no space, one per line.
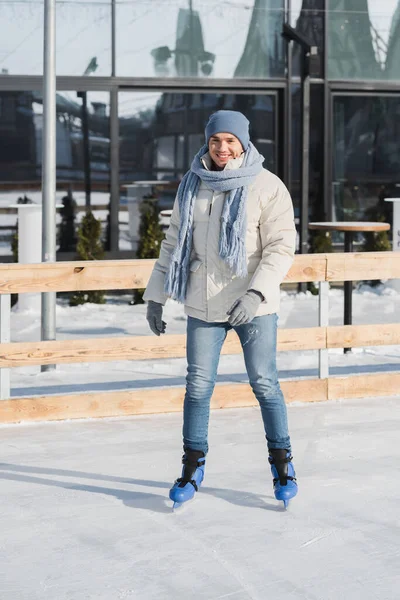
(232,243)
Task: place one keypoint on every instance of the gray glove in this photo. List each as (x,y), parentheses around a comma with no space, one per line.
(244,310)
(154,317)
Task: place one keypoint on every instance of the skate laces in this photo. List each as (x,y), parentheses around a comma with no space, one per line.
(191,461)
(182,482)
(280,467)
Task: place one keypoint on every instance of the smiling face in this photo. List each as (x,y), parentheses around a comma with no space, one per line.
(223,147)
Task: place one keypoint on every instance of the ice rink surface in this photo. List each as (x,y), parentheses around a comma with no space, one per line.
(85,511)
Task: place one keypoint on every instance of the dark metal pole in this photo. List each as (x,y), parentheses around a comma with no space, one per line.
(287,151)
(327,186)
(305,151)
(114,144)
(113,39)
(114,168)
(308,52)
(348,285)
(86,148)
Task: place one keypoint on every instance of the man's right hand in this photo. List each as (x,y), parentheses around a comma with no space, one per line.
(154,317)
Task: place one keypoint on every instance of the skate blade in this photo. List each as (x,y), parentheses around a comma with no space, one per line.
(179,506)
(285,504)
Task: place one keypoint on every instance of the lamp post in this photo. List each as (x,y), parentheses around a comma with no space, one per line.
(92,66)
(309,67)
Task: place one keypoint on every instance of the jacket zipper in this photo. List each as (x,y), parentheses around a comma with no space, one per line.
(208,224)
(208,230)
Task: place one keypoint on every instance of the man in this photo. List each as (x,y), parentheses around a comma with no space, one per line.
(230,244)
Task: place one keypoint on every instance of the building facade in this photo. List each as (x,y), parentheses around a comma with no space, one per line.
(150,72)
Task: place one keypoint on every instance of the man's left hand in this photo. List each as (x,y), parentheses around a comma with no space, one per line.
(244,310)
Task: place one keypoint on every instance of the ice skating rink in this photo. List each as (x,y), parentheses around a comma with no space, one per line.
(85,511)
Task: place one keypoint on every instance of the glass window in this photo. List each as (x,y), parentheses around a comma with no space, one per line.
(83,37)
(21,129)
(366,156)
(307,17)
(21,133)
(160,133)
(364,39)
(193,38)
(165,157)
(316,207)
(8,110)
(18,134)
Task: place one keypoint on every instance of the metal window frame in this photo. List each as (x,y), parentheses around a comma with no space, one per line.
(172,84)
(277,92)
(367,87)
(114,85)
(340,89)
(331,88)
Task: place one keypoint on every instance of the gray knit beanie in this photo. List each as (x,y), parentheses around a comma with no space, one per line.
(229,121)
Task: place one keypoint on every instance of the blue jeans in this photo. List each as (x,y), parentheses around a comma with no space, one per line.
(204,343)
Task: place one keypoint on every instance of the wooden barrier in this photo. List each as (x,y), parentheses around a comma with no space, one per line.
(131,274)
(162,400)
(108,349)
(365,265)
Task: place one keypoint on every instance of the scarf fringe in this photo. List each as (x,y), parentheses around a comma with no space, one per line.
(175,281)
(232,249)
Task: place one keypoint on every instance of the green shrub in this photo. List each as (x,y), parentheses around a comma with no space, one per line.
(67,239)
(107,232)
(321,242)
(89,247)
(150,236)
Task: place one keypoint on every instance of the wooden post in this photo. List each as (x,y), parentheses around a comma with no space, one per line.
(323,314)
(5,324)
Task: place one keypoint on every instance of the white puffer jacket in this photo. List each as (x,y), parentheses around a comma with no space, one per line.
(270,244)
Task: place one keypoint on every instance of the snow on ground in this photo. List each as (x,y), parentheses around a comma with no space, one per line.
(118,318)
(85,513)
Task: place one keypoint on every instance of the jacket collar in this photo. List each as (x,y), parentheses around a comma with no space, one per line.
(233,163)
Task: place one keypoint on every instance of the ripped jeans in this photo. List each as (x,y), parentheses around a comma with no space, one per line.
(204,343)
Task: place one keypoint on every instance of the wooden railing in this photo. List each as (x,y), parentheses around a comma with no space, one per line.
(131,274)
